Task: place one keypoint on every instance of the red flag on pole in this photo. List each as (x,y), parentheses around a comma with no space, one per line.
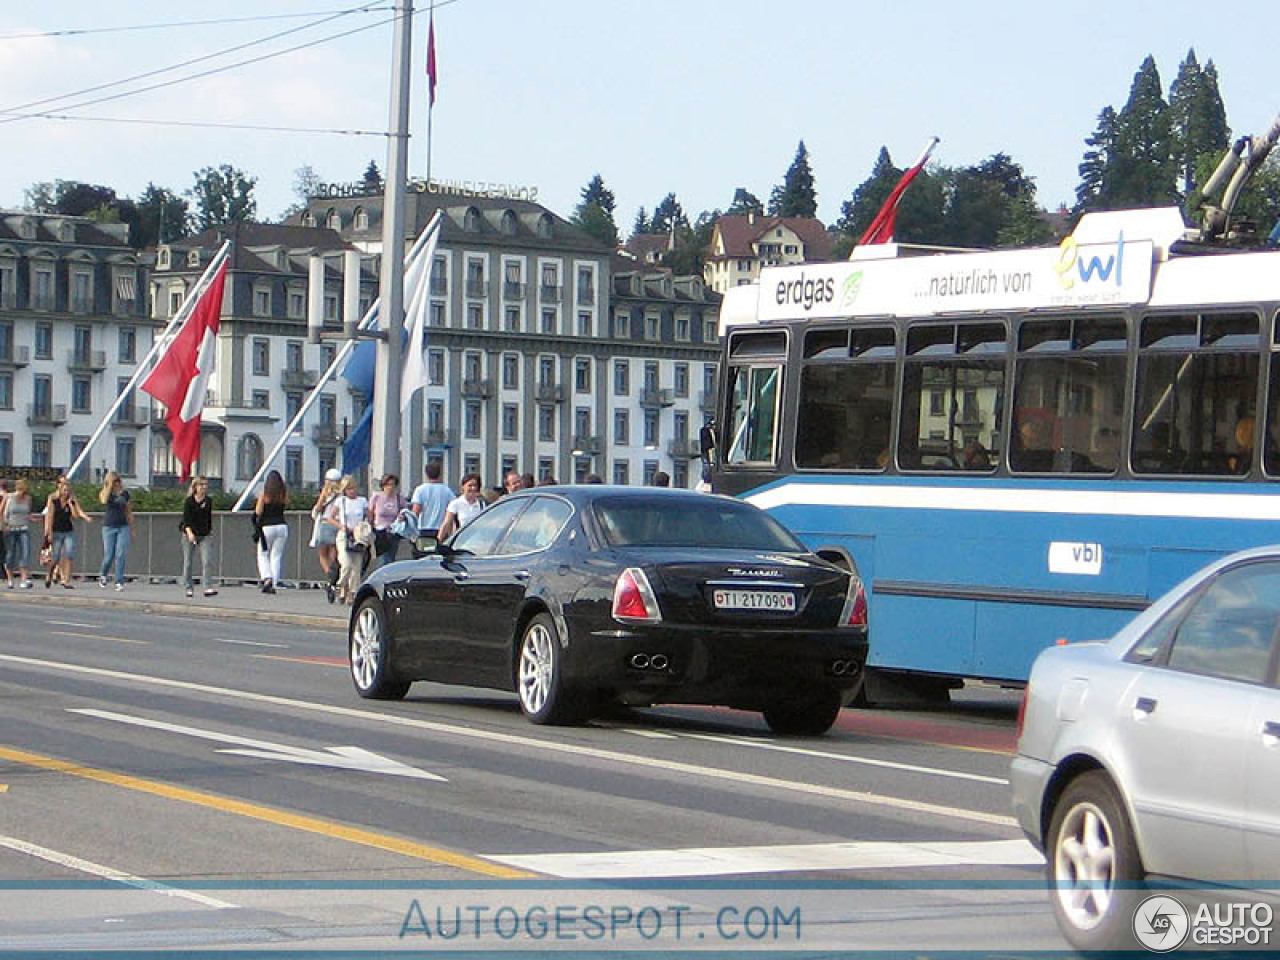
(181,377)
(881,228)
(431,59)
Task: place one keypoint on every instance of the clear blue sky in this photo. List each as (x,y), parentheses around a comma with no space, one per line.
(691,96)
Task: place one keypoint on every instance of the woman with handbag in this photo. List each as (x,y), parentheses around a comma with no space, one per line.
(273,531)
(60,513)
(346,514)
(384,510)
(197,534)
(324,536)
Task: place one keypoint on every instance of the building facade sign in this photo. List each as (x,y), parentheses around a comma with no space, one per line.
(460,188)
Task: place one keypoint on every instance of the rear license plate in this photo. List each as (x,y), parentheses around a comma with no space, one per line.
(754,600)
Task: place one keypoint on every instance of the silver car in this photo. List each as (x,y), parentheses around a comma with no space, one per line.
(1158,752)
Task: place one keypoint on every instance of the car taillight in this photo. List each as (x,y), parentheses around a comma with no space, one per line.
(855,606)
(633,599)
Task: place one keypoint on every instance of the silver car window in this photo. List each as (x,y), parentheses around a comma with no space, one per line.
(1231,629)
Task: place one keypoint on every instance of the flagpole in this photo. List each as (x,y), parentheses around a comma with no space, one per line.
(161,343)
(366,323)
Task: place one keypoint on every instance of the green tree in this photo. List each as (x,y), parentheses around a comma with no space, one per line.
(992,204)
(667,214)
(594,215)
(641,223)
(692,243)
(744,202)
(70,198)
(920,212)
(38,197)
(1198,118)
(222,195)
(1095,167)
(158,216)
(371,182)
(1143,170)
(1259,202)
(795,196)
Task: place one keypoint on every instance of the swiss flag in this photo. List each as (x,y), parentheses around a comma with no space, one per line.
(431,60)
(880,229)
(180,379)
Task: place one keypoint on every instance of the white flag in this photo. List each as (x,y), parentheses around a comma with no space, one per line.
(413,373)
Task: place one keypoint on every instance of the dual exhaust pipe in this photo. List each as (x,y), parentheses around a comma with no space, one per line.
(649,661)
(845,668)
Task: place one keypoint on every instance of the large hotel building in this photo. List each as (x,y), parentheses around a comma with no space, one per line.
(547,352)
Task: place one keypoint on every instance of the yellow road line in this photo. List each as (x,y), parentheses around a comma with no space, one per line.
(365,838)
(94,636)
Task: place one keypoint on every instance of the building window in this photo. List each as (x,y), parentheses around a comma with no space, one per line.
(546,422)
(176,296)
(621,325)
(435,418)
(326,460)
(261,357)
(8,287)
(475,316)
(78,445)
(680,474)
(549,322)
(44,341)
(124,412)
(292,404)
(42,289)
(329,411)
(261,302)
(439,277)
(298,304)
(248,456)
(471,419)
(327,353)
(471,463)
(80,394)
(261,400)
(127,345)
(513,319)
(435,367)
(650,468)
(621,472)
(475,278)
(621,378)
(41,450)
(651,427)
(546,468)
(293,467)
(293,355)
(621,427)
(650,376)
(331,308)
(437,315)
(582,422)
(582,375)
(43,395)
(126,450)
(471,365)
(510,371)
(546,371)
(682,327)
(680,426)
(652,326)
(6,449)
(681,379)
(710,331)
(510,421)
(586,285)
(584,324)
(6,391)
(81,292)
(709,379)
(550,282)
(360,220)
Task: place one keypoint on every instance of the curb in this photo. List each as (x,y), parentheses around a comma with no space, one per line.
(211,613)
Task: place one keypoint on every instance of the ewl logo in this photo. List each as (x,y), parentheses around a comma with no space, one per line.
(1073,263)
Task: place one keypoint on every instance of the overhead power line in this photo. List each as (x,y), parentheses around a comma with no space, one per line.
(87,31)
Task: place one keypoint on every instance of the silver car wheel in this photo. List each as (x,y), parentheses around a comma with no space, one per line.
(366,648)
(537,665)
(1084,866)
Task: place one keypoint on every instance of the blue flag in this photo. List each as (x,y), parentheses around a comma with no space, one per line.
(359,373)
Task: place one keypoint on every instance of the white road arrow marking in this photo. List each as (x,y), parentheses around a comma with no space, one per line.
(346,758)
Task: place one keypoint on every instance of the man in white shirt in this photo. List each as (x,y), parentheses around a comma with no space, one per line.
(429,502)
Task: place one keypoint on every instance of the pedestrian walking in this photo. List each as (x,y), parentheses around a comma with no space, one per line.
(324,536)
(273,531)
(349,515)
(464,507)
(5,490)
(384,510)
(15,508)
(117,528)
(197,535)
(60,512)
(429,502)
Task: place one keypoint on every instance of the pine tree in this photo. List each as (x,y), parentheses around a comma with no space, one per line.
(1144,168)
(1095,166)
(667,214)
(1198,118)
(795,196)
(594,215)
(744,202)
(372,180)
(641,224)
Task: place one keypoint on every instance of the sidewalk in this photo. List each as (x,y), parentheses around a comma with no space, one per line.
(305,606)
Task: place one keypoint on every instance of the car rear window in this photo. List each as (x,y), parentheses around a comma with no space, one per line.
(700,522)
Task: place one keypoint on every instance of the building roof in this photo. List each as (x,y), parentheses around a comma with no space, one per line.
(740,234)
(648,247)
(84,231)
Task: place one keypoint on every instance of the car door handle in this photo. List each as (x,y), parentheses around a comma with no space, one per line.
(460,574)
(521,575)
(1145,705)
(1271,733)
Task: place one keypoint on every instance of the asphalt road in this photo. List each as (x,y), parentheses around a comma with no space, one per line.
(169,781)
